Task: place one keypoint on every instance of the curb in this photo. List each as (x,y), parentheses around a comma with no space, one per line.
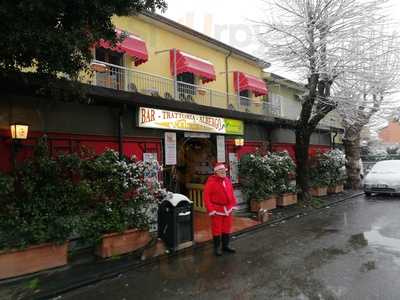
(128,267)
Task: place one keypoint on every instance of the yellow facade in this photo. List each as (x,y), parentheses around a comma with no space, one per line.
(158,38)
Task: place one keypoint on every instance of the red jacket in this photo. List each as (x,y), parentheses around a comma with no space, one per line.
(218,195)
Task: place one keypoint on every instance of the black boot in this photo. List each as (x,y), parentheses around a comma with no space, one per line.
(225,244)
(217,246)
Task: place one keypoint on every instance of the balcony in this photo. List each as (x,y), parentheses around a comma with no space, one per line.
(126,79)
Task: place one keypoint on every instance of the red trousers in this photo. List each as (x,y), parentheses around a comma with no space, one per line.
(221,224)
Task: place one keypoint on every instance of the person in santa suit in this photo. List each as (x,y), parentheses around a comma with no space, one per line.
(220,201)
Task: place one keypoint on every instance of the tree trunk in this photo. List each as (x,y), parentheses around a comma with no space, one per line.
(352,150)
(302,171)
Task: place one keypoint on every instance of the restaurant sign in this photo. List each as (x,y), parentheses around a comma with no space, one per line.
(172,120)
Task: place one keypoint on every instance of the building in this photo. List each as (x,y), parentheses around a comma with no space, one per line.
(390,135)
(168,93)
(284,96)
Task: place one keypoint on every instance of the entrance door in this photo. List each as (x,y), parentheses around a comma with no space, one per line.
(196,157)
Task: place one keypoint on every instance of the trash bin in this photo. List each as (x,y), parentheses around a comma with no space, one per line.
(175,222)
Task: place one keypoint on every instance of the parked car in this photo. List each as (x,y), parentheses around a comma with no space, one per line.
(384,178)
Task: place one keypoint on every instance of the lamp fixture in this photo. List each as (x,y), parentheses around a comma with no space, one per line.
(239,142)
(19,131)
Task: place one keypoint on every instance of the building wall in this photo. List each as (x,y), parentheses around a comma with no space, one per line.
(283,135)
(283,96)
(390,134)
(159,37)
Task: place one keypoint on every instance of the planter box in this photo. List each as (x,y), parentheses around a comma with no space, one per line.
(287,199)
(268,204)
(120,243)
(33,259)
(319,191)
(335,189)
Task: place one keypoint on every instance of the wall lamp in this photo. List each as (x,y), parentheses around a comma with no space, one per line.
(239,142)
(19,131)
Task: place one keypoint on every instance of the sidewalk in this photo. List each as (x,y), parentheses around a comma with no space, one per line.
(84,270)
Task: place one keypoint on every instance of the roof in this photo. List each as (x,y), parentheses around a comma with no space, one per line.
(172,24)
(275,78)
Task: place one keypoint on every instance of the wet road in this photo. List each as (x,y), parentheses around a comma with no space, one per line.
(350,251)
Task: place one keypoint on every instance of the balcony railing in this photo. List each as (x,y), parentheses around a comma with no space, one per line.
(126,79)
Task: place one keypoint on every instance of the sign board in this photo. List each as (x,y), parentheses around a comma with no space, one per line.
(170,148)
(234,167)
(152,169)
(172,120)
(221,148)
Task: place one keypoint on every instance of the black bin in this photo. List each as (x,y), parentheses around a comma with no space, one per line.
(175,222)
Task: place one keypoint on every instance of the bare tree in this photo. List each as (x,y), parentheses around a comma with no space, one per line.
(364,88)
(314,37)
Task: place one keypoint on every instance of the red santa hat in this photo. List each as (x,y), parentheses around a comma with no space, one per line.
(219,166)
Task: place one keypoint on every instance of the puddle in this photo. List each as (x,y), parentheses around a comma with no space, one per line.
(375,238)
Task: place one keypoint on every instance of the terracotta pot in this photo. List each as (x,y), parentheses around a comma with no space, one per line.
(32,259)
(268,204)
(120,243)
(335,189)
(287,199)
(319,191)
(97,67)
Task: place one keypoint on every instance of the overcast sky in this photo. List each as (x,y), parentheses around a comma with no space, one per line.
(230,22)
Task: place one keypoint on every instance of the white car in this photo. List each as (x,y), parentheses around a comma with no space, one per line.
(384,178)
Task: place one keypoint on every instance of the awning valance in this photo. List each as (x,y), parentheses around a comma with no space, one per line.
(132,45)
(191,64)
(243,82)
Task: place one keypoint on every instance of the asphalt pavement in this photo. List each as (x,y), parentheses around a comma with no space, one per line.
(347,251)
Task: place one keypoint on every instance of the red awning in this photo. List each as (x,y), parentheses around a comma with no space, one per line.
(132,45)
(246,82)
(191,64)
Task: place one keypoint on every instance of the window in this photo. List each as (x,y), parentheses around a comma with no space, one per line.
(245,93)
(186,77)
(108,56)
(276,104)
(113,77)
(186,91)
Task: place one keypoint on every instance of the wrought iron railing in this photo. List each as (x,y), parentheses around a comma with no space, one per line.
(126,79)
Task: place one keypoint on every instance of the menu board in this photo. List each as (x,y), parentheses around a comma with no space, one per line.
(221,148)
(170,148)
(234,167)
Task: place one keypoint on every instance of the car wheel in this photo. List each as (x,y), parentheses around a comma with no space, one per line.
(367,194)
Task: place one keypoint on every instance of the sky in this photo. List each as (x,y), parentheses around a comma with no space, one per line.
(232,22)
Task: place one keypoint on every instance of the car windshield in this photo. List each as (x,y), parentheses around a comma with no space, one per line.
(386,167)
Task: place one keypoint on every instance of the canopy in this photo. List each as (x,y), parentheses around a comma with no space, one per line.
(246,82)
(191,64)
(132,45)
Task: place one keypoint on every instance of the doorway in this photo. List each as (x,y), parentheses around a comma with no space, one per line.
(196,157)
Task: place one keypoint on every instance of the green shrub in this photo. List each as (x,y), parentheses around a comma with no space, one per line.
(263,176)
(49,199)
(327,169)
(284,169)
(41,199)
(120,196)
(255,177)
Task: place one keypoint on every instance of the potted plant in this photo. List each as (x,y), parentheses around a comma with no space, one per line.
(283,169)
(336,170)
(120,201)
(319,175)
(38,202)
(256,179)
